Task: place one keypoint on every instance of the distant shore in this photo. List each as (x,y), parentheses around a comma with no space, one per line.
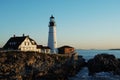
(114,49)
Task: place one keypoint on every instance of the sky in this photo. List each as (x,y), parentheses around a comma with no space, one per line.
(83,24)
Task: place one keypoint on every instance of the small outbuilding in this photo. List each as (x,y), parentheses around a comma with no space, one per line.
(44,49)
(66,50)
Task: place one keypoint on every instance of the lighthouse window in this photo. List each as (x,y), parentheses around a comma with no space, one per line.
(51,23)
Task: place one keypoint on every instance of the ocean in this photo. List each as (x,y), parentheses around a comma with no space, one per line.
(88,54)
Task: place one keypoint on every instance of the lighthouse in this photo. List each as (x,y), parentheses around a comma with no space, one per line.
(52,41)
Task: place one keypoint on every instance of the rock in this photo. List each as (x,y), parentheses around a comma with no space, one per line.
(103,63)
(38,66)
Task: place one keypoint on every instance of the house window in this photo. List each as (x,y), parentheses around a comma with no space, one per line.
(10,43)
(14,43)
(33,48)
(25,43)
(23,48)
(33,42)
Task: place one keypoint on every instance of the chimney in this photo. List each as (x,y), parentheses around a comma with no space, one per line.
(23,35)
(14,35)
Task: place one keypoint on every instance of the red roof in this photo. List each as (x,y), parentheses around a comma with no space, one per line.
(66,46)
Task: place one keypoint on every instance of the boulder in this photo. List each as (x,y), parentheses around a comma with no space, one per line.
(103,63)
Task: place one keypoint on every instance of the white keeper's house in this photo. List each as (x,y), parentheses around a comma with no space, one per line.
(24,43)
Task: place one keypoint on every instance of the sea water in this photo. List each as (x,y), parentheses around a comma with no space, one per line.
(88,54)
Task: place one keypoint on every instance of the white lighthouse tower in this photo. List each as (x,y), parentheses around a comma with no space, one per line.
(52,41)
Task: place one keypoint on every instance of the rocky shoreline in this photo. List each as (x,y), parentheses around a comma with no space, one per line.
(38,66)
